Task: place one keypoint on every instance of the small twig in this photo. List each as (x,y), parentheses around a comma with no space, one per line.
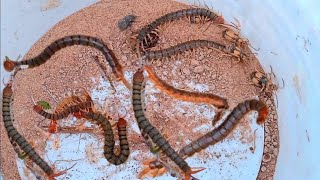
(50,94)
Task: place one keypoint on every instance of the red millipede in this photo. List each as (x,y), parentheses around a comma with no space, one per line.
(15,136)
(183,95)
(66,41)
(145,33)
(149,129)
(227,126)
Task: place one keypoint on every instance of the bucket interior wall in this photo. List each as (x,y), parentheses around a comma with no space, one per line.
(287,33)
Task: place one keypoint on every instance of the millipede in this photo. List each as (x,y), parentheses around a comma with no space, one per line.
(16,137)
(66,41)
(109,138)
(148,128)
(183,95)
(191,14)
(230,49)
(227,126)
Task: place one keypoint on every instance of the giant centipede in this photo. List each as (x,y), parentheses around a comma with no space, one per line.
(109,138)
(148,128)
(227,126)
(205,14)
(15,136)
(64,113)
(192,44)
(183,95)
(66,41)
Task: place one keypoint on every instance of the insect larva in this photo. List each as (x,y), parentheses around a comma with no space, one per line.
(66,41)
(227,126)
(109,138)
(126,22)
(148,128)
(193,44)
(205,15)
(15,136)
(65,113)
(183,95)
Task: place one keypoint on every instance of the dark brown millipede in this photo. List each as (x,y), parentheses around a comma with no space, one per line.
(191,13)
(100,120)
(227,126)
(109,138)
(149,129)
(15,136)
(66,41)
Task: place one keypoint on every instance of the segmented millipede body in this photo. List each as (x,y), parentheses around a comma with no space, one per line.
(15,136)
(64,113)
(148,128)
(227,126)
(66,41)
(109,138)
(192,13)
(183,95)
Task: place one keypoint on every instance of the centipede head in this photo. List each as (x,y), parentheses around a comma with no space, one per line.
(9,64)
(219,20)
(263,113)
(122,123)
(7,91)
(138,76)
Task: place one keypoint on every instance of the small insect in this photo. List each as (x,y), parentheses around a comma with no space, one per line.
(126,22)
(153,133)
(45,105)
(183,95)
(222,131)
(264,81)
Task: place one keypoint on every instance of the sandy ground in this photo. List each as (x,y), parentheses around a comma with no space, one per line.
(205,70)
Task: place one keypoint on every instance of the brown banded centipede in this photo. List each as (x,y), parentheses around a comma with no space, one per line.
(227,126)
(109,137)
(204,14)
(64,113)
(148,128)
(192,44)
(183,95)
(66,41)
(15,136)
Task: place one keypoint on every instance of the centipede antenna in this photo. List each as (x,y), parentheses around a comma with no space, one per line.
(283,85)
(124,114)
(34,103)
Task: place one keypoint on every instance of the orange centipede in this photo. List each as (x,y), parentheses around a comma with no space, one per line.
(183,95)
(227,126)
